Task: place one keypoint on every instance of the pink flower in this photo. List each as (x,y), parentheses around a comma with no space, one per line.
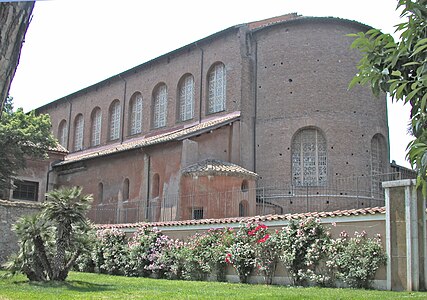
(266,237)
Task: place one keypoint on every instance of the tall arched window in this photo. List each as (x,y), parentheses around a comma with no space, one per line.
(378,160)
(135,121)
(186,98)
(96,118)
(78,132)
(217,88)
(309,164)
(63,133)
(160,99)
(155,187)
(115,111)
(126,189)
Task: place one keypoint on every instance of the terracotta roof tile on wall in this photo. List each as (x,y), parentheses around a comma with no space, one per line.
(271,21)
(217,167)
(236,220)
(145,141)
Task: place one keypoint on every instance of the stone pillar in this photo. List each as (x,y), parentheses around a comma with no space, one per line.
(405,236)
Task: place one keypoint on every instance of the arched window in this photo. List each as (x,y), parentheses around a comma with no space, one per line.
(96,118)
(378,160)
(245,186)
(217,88)
(100,192)
(160,99)
(186,98)
(78,132)
(115,111)
(309,164)
(135,121)
(243,208)
(126,189)
(63,133)
(155,187)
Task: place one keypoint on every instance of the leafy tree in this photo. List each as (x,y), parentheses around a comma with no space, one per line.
(400,69)
(51,241)
(22,136)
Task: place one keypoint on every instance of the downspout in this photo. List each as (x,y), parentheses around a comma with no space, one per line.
(201,80)
(148,187)
(123,110)
(255,102)
(69,123)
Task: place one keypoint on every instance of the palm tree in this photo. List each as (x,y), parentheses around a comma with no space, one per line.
(65,208)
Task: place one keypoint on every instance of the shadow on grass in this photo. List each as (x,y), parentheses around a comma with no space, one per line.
(73,285)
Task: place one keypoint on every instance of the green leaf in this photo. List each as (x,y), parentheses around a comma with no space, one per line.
(418,50)
(396,73)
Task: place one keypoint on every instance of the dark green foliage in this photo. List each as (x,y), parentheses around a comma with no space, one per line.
(400,69)
(50,242)
(22,136)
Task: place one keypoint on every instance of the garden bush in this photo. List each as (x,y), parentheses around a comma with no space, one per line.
(358,258)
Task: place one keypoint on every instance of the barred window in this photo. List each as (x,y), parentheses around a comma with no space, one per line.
(115,111)
(63,133)
(186,98)
(217,88)
(160,106)
(78,132)
(26,190)
(309,164)
(243,208)
(136,114)
(197,213)
(96,126)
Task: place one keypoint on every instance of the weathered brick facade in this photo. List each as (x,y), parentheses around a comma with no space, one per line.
(286,78)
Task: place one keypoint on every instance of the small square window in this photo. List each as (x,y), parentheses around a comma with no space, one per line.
(198,213)
(26,190)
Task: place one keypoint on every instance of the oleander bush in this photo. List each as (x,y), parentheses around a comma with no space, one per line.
(304,246)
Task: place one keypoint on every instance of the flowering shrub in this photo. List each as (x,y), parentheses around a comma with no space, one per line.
(206,254)
(267,251)
(358,258)
(241,254)
(111,254)
(140,246)
(156,263)
(305,245)
(174,258)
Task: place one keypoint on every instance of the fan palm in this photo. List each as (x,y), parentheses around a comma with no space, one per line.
(65,207)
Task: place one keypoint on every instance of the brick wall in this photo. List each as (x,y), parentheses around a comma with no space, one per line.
(10,212)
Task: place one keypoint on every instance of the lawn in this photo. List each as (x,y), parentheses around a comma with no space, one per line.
(94,286)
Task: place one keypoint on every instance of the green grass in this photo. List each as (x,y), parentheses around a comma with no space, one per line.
(95,286)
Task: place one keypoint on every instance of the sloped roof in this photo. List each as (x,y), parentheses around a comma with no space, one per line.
(59,149)
(216,167)
(15,203)
(147,140)
(237,220)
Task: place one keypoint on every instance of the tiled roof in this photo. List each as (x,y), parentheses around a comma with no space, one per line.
(271,21)
(58,148)
(216,167)
(236,220)
(10,203)
(178,134)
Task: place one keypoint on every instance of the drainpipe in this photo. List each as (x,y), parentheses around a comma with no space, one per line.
(123,111)
(255,103)
(69,123)
(201,81)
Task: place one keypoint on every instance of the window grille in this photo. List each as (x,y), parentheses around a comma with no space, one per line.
(186,98)
(309,163)
(136,115)
(26,190)
(115,121)
(63,133)
(198,213)
(96,127)
(78,133)
(160,107)
(217,88)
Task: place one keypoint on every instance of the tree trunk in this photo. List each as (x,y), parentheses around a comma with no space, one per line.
(14,19)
